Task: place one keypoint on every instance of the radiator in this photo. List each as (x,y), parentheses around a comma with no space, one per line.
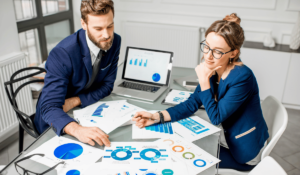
(8,120)
(182,40)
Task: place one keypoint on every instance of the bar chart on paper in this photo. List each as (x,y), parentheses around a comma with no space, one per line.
(194,128)
(153,131)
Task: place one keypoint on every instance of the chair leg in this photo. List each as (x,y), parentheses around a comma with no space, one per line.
(21,138)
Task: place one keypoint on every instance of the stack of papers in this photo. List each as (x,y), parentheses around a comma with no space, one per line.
(176,96)
(106,115)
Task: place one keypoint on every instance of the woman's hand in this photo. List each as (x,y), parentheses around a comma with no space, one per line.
(204,73)
(143,119)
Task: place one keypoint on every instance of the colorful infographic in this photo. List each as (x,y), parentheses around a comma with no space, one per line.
(134,153)
(190,154)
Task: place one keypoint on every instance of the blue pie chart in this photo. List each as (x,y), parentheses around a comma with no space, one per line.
(73,172)
(68,151)
(156,77)
(116,157)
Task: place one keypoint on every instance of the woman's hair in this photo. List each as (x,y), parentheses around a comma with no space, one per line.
(95,7)
(229,28)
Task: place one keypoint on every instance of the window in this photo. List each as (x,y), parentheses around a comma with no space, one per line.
(42,24)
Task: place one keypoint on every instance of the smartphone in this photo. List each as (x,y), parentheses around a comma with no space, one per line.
(190,83)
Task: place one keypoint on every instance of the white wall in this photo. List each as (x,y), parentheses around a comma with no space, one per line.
(9,40)
(259,17)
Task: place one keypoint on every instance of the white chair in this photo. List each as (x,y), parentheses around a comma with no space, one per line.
(276,118)
(268,166)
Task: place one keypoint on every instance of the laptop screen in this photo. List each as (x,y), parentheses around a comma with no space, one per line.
(146,65)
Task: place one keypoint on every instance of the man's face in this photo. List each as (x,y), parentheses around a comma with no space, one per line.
(100,29)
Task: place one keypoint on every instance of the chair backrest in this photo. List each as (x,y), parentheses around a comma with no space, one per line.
(276,118)
(25,120)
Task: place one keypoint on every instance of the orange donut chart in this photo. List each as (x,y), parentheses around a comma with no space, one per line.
(169,140)
(182,149)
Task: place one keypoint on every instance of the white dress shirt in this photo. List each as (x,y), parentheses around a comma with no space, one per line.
(94,50)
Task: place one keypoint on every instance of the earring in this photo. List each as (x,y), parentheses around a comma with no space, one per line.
(230,61)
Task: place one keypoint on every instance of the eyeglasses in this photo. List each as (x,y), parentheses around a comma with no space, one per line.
(216,53)
(23,171)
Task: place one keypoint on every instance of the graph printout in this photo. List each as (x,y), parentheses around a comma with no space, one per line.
(153,131)
(73,153)
(136,153)
(106,115)
(196,159)
(176,96)
(194,128)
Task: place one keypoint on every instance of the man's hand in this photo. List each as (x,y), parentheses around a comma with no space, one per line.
(87,134)
(71,103)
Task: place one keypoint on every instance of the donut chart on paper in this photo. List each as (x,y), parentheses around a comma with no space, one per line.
(177,146)
(184,155)
(169,140)
(143,154)
(199,165)
(73,172)
(68,151)
(128,154)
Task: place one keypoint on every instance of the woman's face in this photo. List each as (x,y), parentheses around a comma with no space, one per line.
(217,42)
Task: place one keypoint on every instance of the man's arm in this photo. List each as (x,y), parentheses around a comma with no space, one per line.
(53,98)
(107,83)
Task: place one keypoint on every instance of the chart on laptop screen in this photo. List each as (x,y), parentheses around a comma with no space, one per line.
(150,66)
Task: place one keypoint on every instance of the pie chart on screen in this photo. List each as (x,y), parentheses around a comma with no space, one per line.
(68,151)
(73,172)
(156,77)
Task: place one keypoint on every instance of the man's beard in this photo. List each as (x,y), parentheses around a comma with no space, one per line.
(104,45)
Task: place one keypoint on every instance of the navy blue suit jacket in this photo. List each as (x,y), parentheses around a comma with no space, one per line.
(69,69)
(237,108)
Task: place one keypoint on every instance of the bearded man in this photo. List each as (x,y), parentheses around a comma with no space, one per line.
(81,70)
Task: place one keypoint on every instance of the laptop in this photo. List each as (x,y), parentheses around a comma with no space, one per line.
(146,74)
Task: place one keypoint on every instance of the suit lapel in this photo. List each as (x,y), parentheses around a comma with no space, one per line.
(85,51)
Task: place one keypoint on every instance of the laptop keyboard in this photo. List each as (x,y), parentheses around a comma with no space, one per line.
(140,87)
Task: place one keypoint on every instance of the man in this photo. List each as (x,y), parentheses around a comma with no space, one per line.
(70,67)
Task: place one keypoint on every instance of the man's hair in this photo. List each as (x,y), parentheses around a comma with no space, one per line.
(96,7)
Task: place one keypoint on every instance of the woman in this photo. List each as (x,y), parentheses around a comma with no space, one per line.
(229,92)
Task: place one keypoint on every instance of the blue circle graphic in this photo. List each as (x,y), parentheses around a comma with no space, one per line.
(114,154)
(156,77)
(195,163)
(143,154)
(73,172)
(68,151)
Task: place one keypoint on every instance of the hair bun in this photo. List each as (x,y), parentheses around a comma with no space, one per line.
(233,18)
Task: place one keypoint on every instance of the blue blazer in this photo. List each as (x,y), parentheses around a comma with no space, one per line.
(237,108)
(69,69)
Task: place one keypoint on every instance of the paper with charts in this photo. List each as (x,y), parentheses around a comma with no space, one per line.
(186,152)
(136,153)
(175,168)
(106,115)
(194,128)
(73,153)
(176,96)
(152,131)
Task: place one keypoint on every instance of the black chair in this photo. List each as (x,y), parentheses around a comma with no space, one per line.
(26,122)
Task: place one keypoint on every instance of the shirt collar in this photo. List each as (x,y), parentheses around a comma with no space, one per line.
(93,48)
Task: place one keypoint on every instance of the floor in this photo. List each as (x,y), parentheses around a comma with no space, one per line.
(286,152)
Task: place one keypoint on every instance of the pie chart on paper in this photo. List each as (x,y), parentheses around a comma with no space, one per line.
(68,151)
